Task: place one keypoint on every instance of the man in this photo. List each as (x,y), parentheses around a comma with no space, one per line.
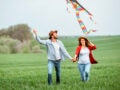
(56,52)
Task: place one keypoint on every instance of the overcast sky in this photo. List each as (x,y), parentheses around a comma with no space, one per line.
(45,15)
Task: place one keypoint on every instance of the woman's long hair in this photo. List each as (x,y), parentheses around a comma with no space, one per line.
(86,41)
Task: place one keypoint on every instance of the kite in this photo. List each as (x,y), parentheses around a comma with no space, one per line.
(79,8)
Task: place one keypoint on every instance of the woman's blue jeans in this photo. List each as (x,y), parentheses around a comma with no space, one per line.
(51,65)
(84,70)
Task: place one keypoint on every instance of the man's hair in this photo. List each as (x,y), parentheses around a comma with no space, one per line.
(51,33)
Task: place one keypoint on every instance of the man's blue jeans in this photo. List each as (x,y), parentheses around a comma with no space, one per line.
(51,65)
(84,70)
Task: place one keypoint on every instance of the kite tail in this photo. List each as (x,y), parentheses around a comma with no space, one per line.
(82,25)
(79,8)
(68,10)
(67,1)
(91,30)
(90,16)
(82,9)
(67,5)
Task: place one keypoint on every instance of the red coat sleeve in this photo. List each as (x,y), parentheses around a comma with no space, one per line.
(92,47)
(77,50)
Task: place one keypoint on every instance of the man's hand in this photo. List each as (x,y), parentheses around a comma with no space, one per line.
(74,60)
(35,32)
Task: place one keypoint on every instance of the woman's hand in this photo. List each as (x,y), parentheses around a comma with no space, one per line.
(90,43)
(74,60)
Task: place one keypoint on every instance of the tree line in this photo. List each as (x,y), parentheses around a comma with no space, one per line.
(18,39)
(20,32)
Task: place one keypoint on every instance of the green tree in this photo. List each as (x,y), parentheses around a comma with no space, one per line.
(20,32)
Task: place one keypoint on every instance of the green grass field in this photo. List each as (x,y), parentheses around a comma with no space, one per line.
(29,71)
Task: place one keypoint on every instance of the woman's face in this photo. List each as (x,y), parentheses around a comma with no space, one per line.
(82,41)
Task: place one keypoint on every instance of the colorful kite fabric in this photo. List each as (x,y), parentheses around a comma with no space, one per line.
(79,8)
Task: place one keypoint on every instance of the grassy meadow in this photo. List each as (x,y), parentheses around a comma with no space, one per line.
(29,71)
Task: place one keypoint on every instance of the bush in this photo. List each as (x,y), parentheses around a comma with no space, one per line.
(4,49)
(24,47)
(33,43)
(11,43)
(36,49)
(20,32)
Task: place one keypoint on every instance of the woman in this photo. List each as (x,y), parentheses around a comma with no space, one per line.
(84,56)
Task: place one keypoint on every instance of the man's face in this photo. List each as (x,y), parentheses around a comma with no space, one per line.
(55,36)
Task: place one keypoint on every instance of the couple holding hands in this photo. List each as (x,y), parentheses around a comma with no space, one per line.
(57,52)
